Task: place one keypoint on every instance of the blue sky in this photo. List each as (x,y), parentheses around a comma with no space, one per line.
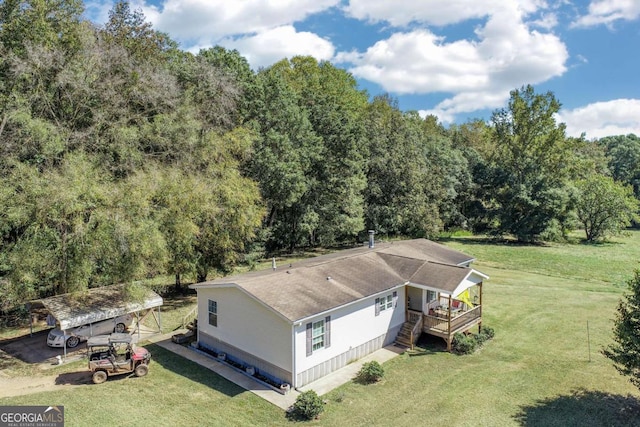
(457,59)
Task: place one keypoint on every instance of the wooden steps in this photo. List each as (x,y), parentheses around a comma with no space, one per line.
(404,336)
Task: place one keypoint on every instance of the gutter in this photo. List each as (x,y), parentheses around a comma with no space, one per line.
(294,376)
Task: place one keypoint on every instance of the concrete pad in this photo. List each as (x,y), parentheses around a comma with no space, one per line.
(284,401)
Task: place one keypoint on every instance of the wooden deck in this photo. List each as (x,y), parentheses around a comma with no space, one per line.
(447,325)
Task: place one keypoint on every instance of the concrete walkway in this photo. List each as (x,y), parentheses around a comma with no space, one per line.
(343,375)
(284,401)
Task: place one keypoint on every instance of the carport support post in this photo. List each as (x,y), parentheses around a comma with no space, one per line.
(30,319)
(64,335)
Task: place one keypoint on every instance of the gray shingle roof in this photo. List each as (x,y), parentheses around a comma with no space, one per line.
(322,283)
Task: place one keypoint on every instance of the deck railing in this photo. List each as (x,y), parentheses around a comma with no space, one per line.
(414,316)
(417,319)
(192,314)
(450,325)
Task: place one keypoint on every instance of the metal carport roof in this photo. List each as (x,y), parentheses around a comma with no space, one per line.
(96,304)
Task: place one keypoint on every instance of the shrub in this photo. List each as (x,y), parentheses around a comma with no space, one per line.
(307,406)
(487,332)
(463,344)
(468,343)
(370,372)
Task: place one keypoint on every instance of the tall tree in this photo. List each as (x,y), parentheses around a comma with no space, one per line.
(623,153)
(450,173)
(335,109)
(283,162)
(232,209)
(401,196)
(234,67)
(129,29)
(53,221)
(625,351)
(475,141)
(47,23)
(529,165)
(47,30)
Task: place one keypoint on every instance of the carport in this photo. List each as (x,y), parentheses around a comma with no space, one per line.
(98,304)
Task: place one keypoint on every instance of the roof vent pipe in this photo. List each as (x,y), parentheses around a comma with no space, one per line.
(371,239)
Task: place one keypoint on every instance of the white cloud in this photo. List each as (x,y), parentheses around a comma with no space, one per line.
(616,117)
(434,12)
(403,12)
(547,21)
(466,102)
(419,62)
(215,19)
(479,73)
(270,46)
(608,11)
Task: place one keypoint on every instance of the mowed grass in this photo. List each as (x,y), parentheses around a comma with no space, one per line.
(551,307)
(176,392)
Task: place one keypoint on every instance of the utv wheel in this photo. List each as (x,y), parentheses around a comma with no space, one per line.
(99,377)
(72,342)
(120,328)
(141,370)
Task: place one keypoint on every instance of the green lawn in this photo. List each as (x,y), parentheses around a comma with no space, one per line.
(537,371)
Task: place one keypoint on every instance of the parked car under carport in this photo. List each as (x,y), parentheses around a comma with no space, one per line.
(74,336)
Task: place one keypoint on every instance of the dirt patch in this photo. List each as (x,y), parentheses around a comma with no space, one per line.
(28,385)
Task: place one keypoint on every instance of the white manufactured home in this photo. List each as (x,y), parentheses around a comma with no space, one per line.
(296,323)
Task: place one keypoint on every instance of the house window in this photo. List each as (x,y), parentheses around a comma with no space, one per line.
(213,313)
(318,335)
(381,304)
(431,296)
(386,303)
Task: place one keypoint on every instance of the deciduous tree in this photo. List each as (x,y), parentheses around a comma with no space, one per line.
(604,207)
(623,153)
(335,108)
(529,165)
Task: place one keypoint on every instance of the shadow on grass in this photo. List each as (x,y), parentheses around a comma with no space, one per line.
(582,408)
(192,371)
(74,378)
(427,345)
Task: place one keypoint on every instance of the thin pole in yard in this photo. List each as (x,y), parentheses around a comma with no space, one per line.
(588,341)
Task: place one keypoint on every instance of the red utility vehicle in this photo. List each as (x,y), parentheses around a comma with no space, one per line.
(115,355)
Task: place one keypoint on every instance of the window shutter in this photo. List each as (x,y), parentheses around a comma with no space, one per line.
(327,332)
(309,339)
(395,298)
(377,306)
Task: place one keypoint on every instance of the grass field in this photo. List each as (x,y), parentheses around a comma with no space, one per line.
(541,369)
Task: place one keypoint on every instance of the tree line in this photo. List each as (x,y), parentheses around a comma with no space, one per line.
(123,157)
